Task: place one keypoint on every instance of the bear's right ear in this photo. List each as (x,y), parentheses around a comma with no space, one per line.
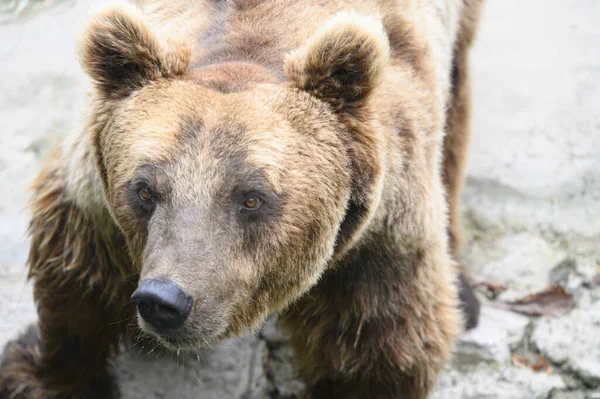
(120,53)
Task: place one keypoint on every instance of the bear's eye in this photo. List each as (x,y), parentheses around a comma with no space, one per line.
(145,194)
(142,193)
(251,204)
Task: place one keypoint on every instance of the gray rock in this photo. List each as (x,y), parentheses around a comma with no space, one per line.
(559,394)
(498,331)
(534,154)
(573,341)
(17,310)
(273,335)
(575,395)
(495,382)
(282,373)
(280,363)
(522,261)
(563,273)
(234,369)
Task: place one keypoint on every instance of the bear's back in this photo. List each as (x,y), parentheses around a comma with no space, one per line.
(263,31)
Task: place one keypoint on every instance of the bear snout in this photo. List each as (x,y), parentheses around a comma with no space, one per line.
(162,303)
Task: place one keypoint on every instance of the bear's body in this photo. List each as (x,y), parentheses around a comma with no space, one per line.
(326,121)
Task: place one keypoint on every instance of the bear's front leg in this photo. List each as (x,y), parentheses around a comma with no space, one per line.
(380,325)
(82,296)
(28,369)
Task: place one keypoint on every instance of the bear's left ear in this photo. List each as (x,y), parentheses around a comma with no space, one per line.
(343,62)
(121,54)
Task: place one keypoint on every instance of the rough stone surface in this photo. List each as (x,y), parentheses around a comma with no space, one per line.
(497,382)
(534,160)
(281,371)
(517,260)
(573,341)
(532,203)
(568,395)
(233,370)
(498,331)
(280,365)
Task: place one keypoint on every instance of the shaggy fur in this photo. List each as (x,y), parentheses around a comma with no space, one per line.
(333,113)
(456,145)
(82,286)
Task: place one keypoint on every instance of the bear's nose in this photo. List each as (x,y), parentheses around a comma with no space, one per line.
(162,303)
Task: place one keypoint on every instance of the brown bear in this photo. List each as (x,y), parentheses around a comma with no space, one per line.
(241,156)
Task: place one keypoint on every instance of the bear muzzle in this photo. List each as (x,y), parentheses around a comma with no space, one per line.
(162,304)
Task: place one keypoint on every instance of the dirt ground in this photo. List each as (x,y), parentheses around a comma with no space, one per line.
(532,207)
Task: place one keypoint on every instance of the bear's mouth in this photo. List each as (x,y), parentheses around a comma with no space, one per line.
(197,332)
(174,343)
(178,341)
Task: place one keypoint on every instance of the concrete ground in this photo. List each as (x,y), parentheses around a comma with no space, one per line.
(532,205)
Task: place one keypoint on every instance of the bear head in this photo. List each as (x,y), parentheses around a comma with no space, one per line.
(235,186)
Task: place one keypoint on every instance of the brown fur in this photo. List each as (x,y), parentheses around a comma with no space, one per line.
(343,138)
(82,287)
(458,120)
(456,146)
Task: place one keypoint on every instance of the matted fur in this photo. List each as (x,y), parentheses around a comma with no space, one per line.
(458,122)
(344,135)
(82,285)
(456,145)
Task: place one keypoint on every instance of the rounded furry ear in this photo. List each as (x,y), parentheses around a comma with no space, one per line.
(121,54)
(342,62)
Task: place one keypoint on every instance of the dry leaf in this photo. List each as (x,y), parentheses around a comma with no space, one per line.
(495,288)
(553,301)
(542,364)
(519,361)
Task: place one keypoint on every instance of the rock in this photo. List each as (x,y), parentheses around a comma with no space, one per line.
(280,363)
(559,394)
(522,261)
(563,273)
(534,154)
(586,297)
(273,335)
(17,309)
(497,382)
(588,268)
(234,369)
(498,331)
(573,341)
(282,373)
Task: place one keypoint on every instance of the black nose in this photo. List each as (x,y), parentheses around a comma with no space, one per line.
(162,303)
